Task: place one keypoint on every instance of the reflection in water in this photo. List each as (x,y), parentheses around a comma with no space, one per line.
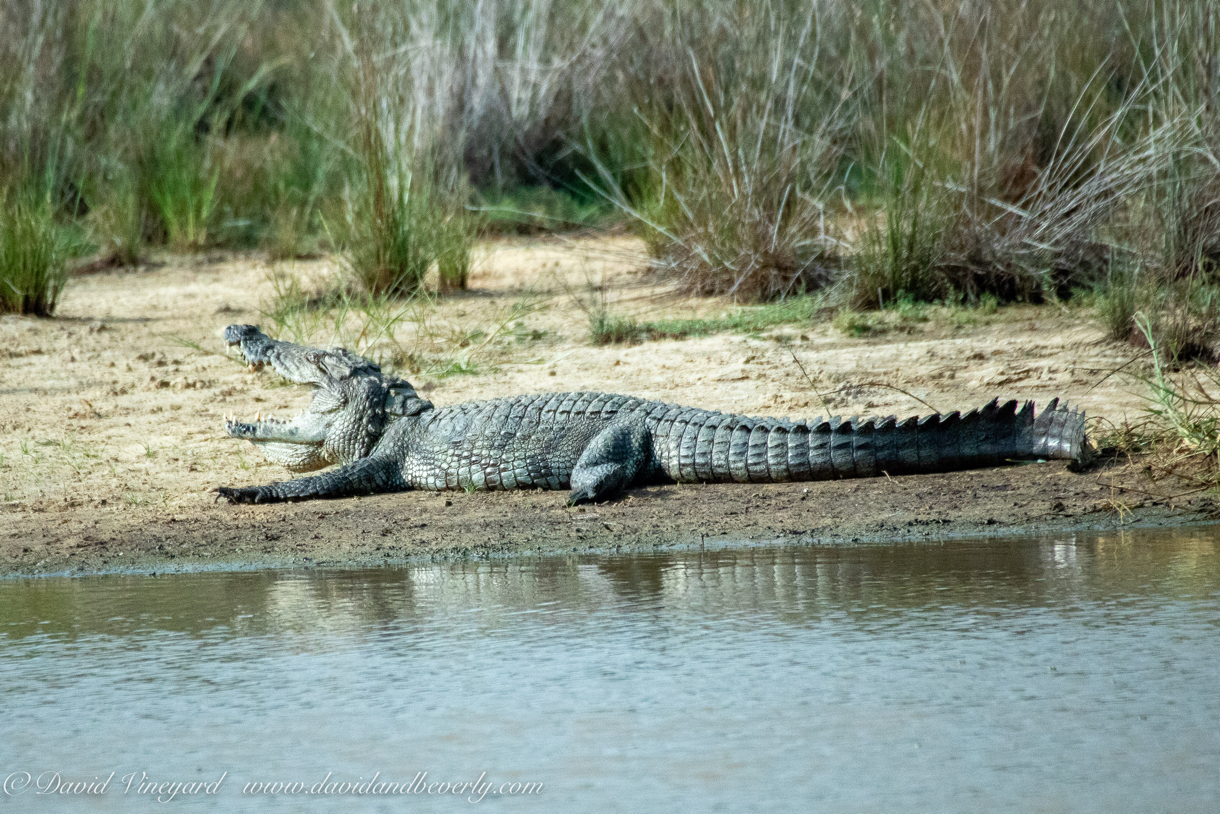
(1074,673)
(803,584)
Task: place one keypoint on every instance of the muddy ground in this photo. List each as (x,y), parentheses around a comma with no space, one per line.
(111,415)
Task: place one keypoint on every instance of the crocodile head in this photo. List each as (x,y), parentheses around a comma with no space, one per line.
(353,403)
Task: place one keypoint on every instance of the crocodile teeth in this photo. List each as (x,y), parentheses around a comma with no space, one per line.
(258,416)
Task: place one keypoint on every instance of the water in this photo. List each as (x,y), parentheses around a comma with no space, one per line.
(1078,674)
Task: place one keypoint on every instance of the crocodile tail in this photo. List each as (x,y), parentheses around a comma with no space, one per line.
(1057,433)
(759,450)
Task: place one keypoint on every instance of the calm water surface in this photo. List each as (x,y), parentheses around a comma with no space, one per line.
(1073,674)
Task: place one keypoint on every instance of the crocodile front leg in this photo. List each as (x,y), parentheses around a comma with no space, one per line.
(368,476)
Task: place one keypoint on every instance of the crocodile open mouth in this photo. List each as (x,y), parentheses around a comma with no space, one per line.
(271,429)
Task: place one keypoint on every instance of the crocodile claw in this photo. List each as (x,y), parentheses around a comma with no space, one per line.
(247,495)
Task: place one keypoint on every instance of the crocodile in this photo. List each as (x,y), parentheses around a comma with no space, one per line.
(385,438)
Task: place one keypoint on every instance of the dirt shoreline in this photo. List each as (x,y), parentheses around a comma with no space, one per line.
(385,529)
(111,417)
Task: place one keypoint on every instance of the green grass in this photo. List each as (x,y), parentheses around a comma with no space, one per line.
(407,212)
(904,314)
(607,328)
(454,241)
(33,253)
(390,238)
(900,256)
(396,239)
(869,323)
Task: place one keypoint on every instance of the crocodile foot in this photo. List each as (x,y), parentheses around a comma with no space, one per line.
(247,495)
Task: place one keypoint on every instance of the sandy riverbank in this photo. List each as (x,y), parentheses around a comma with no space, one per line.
(111,414)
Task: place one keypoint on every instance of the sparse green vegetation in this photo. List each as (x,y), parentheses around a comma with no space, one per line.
(402,334)
(335,314)
(608,328)
(1187,407)
(535,209)
(855,323)
(1181,432)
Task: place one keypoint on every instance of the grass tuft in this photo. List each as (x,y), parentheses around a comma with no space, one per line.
(33,273)
(178,184)
(1119,300)
(119,222)
(606,328)
(408,212)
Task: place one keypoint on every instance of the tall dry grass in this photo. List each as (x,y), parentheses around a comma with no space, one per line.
(926,150)
(739,139)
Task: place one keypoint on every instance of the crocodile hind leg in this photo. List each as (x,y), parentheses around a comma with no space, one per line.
(610,462)
(368,476)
